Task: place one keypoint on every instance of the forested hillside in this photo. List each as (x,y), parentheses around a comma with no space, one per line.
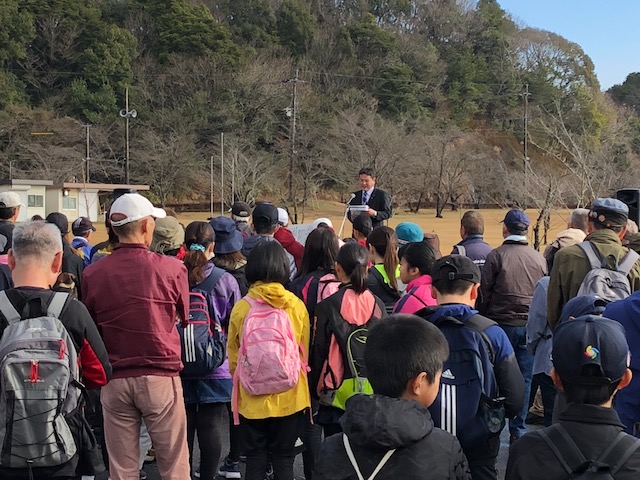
(429,92)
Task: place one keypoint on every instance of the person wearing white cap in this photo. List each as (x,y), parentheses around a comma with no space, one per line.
(136,297)
(9,211)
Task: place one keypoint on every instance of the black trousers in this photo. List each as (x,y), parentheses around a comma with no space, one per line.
(206,420)
(548,392)
(275,439)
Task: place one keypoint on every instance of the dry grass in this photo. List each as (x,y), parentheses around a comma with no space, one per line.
(447,228)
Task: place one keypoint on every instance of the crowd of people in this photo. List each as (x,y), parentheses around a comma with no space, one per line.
(371,356)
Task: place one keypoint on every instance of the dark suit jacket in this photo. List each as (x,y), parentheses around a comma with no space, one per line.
(378,201)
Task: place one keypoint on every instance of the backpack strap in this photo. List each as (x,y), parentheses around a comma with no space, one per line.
(462,251)
(354,463)
(7,309)
(57,304)
(627,262)
(617,454)
(592,254)
(563,447)
(208,283)
(480,324)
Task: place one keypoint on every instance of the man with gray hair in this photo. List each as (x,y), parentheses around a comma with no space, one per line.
(136,297)
(580,220)
(35,261)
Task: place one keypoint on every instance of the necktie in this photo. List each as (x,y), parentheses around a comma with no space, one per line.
(365,197)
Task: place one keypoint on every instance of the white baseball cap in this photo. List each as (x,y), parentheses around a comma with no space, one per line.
(283,217)
(134,207)
(10,200)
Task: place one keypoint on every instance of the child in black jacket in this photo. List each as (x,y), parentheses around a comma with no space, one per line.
(590,364)
(391,433)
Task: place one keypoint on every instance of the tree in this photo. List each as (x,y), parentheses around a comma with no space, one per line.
(627,93)
(296,27)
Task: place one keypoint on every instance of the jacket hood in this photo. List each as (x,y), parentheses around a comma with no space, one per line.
(383,422)
(569,237)
(274,294)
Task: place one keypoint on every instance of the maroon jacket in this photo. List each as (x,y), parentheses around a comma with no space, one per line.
(290,244)
(136,297)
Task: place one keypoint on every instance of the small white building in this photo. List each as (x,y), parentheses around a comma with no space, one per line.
(42,197)
(82,199)
(32,196)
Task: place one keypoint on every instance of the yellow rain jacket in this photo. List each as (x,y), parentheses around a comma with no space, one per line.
(277,404)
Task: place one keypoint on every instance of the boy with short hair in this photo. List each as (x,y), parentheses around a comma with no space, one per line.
(392,432)
(591,360)
(472,405)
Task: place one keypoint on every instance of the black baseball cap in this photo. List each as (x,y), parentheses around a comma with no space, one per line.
(455,267)
(265,215)
(363,224)
(59,220)
(81,225)
(241,209)
(590,340)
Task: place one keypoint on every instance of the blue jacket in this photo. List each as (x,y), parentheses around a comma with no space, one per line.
(539,338)
(84,248)
(627,400)
(475,248)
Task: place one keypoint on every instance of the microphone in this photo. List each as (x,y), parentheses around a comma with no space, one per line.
(351,197)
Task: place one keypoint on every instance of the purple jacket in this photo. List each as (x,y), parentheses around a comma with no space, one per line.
(475,248)
(222,297)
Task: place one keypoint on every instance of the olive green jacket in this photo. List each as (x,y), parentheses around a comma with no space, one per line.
(571,265)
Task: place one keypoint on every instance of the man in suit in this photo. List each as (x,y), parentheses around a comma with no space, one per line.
(377,200)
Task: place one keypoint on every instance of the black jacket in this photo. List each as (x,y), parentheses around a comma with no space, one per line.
(381,289)
(72,263)
(375,424)
(378,201)
(592,428)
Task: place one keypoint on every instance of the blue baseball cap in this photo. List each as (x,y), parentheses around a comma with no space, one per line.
(609,212)
(409,232)
(583,305)
(516,217)
(590,340)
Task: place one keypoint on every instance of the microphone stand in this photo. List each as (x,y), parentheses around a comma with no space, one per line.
(344,218)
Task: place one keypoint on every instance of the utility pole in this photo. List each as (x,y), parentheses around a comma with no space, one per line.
(222,173)
(294,110)
(86,158)
(526,95)
(126,162)
(211,190)
(127,114)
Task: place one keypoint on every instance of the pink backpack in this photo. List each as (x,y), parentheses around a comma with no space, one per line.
(269,359)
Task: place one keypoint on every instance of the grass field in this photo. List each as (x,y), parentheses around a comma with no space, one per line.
(447,228)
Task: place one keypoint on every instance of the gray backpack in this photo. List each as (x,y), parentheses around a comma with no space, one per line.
(39,386)
(611,285)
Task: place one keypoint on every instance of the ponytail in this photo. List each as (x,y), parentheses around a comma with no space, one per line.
(385,242)
(198,236)
(354,260)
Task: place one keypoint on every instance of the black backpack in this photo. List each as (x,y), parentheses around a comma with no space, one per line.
(577,466)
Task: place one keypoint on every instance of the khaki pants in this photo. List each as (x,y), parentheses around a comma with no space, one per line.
(157,400)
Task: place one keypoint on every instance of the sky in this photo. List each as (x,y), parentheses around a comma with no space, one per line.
(607,30)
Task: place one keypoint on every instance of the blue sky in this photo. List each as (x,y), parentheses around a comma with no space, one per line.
(607,30)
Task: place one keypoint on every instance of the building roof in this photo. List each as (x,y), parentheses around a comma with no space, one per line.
(6,181)
(106,187)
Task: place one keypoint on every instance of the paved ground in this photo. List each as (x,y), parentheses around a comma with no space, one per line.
(152,470)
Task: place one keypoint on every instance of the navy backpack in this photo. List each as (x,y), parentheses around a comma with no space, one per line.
(202,340)
(467,405)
